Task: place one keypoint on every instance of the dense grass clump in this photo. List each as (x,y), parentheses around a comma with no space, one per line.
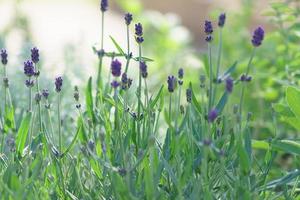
(184,141)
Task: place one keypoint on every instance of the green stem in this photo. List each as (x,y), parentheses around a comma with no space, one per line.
(128,50)
(177,109)
(59,123)
(39,102)
(99,83)
(243,88)
(139,92)
(210,78)
(170,109)
(218,63)
(30,97)
(5,89)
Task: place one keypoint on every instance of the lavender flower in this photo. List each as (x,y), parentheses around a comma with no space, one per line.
(212,115)
(229,84)
(139,33)
(245,78)
(38,97)
(115,84)
(35,56)
(208,28)
(116,68)
(45,93)
(104,5)
(58,83)
(222,19)
(3,56)
(29,83)
(172,83)
(180,73)
(189,95)
(28,68)
(258,36)
(128,18)
(143,69)
(208,38)
(125,82)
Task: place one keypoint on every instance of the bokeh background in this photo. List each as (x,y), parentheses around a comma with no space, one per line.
(66,30)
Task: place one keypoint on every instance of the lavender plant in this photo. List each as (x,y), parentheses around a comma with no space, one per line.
(123,148)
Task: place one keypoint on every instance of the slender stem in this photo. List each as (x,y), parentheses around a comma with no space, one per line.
(177,109)
(243,87)
(30,97)
(39,102)
(99,83)
(139,91)
(170,109)
(147,106)
(5,89)
(210,77)
(218,63)
(128,50)
(59,123)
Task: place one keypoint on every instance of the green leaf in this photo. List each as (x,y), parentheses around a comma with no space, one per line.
(117,46)
(159,94)
(73,141)
(230,70)
(293,99)
(243,159)
(143,59)
(23,133)
(221,104)
(259,144)
(287,146)
(89,101)
(9,118)
(195,103)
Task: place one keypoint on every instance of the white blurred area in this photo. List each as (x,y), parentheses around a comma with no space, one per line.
(56,24)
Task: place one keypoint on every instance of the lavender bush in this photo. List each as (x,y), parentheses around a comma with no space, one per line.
(130,143)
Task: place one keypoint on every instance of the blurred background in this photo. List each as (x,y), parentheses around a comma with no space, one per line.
(66,30)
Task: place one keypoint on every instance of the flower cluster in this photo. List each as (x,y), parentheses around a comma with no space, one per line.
(208,29)
(143,69)
(212,115)
(172,83)
(29,68)
(245,78)
(125,82)
(222,19)
(58,83)
(116,68)
(258,37)
(229,84)
(128,18)
(35,56)
(139,33)
(4,55)
(180,76)
(104,5)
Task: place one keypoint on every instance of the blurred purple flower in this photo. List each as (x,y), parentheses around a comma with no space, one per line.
(104,5)
(212,115)
(222,19)
(58,83)
(28,68)
(258,36)
(115,84)
(208,28)
(229,84)
(143,68)
(116,68)
(4,56)
(128,18)
(35,56)
(172,83)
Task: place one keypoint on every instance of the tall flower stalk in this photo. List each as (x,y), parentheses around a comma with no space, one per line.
(208,29)
(257,39)
(139,39)
(58,86)
(128,20)
(35,59)
(103,8)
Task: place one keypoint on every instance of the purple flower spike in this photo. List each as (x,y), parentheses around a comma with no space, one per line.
(35,56)
(138,29)
(143,68)
(128,18)
(208,38)
(115,84)
(229,84)
(125,82)
(3,56)
(212,115)
(189,95)
(258,37)
(58,83)
(45,93)
(104,5)
(222,19)
(28,68)
(116,68)
(29,83)
(172,83)
(180,73)
(208,28)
